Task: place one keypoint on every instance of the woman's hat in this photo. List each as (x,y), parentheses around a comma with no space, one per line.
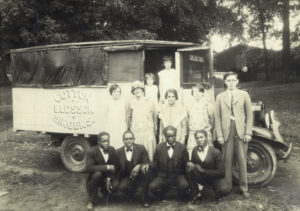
(137,85)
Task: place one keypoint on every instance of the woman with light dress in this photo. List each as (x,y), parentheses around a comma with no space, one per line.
(142,118)
(168,78)
(116,116)
(173,113)
(198,116)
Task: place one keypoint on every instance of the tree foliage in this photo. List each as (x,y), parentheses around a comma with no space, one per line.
(36,22)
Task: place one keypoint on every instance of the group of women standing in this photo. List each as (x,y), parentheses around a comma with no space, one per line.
(141,113)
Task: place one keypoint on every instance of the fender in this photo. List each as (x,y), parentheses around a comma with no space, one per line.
(269,137)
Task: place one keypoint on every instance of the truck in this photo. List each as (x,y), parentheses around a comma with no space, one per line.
(61,89)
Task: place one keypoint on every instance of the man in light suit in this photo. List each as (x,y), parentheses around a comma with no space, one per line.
(133,159)
(234,120)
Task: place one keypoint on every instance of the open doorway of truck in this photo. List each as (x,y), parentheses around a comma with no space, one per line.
(154,62)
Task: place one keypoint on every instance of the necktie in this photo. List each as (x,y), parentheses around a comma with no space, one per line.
(231,103)
(128,149)
(105,151)
(169,147)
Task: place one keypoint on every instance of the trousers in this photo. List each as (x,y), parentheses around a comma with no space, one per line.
(235,148)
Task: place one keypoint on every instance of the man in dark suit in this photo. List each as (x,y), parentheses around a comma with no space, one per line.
(234,121)
(169,162)
(101,164)
(133,158)
(206,168)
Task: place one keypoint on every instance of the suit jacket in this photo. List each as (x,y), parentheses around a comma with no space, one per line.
(160,158)
(242,110)
(95,160)
(213,165)
(139,156)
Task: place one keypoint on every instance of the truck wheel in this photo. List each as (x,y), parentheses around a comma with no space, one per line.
(261,164)
(73,153)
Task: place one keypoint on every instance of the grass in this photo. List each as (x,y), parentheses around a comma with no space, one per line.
(284,99)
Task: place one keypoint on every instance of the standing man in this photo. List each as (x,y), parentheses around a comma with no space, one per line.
(133,158)
(101,164)
(169,162)
(206,168)
(234,119)
(168,77)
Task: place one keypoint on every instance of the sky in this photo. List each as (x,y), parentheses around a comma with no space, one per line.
(220,43)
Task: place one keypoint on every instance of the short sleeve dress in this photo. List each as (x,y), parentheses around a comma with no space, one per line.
(176,116)
(198,119)
(143,120)
(116,121)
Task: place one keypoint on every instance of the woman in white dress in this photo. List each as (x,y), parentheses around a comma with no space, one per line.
(198,116)
(168,78)
(142,118)
(116,116)
(173,113)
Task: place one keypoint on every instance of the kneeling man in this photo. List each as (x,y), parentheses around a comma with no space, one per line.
(169,162)
(206,168)
(133,159)
(101,165)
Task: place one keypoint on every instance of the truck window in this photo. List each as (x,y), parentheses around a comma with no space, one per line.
(195,66)
(25,68)
(125,66)
(60,67)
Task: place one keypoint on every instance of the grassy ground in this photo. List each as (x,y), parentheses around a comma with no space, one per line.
(284,99)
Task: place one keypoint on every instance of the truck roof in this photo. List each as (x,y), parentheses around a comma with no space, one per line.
(149,44)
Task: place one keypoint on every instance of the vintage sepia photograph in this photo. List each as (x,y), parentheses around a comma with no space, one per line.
(150,105)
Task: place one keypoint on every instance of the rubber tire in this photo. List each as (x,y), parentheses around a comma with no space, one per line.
(68,160)
(261,150)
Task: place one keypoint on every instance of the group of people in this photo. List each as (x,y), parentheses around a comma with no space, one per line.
(127,160)
(151,105)
(129,167)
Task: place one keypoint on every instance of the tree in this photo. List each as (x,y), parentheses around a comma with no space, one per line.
(286,51)
(258,15)
(284,11)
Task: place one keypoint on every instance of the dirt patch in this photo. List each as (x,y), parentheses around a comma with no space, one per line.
(35,179)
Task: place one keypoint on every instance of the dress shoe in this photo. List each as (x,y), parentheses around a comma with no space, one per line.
(196,199)
(245,194)
(90,206)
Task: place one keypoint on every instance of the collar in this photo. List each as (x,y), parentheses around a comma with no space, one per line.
(168,145)
(103,152)
(204,150)
(125,148)
(233,91)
